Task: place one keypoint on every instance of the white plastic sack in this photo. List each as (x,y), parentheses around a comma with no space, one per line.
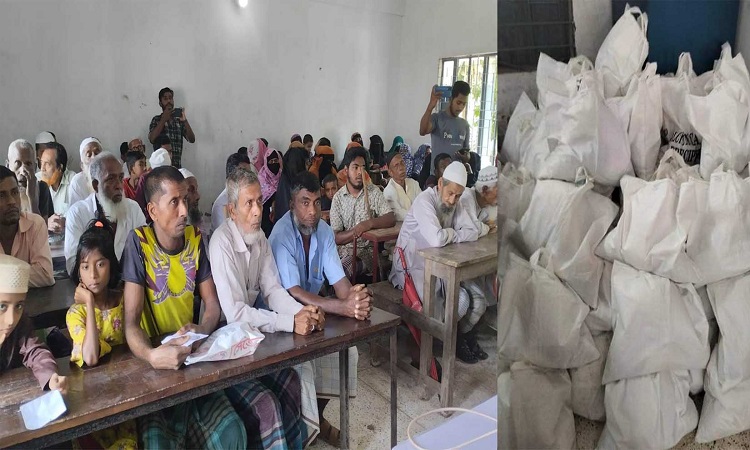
(674,168)
(534,409)
(547,204)
(556,81)
(515,188)
(623,51)
(648,236)
(588,390)
(591,136)
(231,341)
(540,320)
(658,326)
(716,216)
(649,412)
(677,128)
(521,126)
(599,319)
(720,119)
(644,130)
(725,405)
(582,224)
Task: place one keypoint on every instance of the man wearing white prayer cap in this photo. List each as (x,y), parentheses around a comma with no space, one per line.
(19,346)
(42,140)
(80,187)
(160,158)
(480,201)
(436,219)
(195,216)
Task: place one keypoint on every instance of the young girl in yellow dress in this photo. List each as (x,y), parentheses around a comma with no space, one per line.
(95,321)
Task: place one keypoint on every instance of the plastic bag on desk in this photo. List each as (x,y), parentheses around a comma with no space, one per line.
(623,51)
(231,341)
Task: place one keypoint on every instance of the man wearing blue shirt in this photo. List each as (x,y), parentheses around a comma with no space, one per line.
(305,251)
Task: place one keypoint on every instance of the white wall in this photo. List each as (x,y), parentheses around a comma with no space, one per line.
(434,29)
(593,20)
(278,67)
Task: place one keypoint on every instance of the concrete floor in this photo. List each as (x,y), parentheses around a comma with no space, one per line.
(369,413)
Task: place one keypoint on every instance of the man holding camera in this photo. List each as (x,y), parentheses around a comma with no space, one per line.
(449,133)
(173,123)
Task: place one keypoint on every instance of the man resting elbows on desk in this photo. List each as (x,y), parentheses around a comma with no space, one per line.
(305,251)
(437,219)
(162,265)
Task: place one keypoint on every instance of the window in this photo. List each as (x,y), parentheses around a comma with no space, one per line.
(528,27)
(480,71)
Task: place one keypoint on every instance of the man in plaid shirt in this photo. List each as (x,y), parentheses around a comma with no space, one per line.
(176,128)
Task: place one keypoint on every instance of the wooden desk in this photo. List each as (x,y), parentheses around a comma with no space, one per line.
(124,387)
(376,236)
(47,306)
(453,264)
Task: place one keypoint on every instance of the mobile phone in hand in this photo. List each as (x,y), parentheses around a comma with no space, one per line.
(177,113)
(445,91)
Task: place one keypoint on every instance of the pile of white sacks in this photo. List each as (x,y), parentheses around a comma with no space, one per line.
(619,314)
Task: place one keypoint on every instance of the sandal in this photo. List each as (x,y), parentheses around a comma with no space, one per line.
(330,434)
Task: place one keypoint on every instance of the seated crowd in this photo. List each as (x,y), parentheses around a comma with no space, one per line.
(283,230)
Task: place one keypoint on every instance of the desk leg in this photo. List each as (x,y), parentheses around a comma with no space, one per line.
(428,309)
(354,261)
(344,396)
(375,259)
(394,410)
(449,341)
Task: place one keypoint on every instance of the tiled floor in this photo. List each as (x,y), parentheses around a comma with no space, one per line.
(369,413)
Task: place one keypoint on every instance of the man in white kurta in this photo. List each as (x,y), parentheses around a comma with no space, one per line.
(437,219)
(108,199)
(401,190)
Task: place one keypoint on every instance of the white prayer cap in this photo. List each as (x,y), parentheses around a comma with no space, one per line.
(86,142)
(186,173)
(455,172)
(487,177)
(15,279)
(45,137)
(160,158)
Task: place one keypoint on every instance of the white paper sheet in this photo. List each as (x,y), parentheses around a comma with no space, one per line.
(43,410)
(192,337)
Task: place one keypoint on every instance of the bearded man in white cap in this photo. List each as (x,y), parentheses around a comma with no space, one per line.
(480,201)
(35,196)
(80,187)
(436,219)
(107,200)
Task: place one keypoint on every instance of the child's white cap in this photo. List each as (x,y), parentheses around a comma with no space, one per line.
(15,278)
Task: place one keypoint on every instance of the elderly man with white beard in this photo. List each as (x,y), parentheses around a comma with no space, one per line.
(436,219)
(80,186)
(248,283)
(107,200)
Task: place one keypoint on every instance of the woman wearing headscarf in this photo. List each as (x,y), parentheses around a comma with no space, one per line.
(269,176)
(377,150)
(405,151)
(294,163)
(397,141)
(80,185)
(323,163)
(255,150)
